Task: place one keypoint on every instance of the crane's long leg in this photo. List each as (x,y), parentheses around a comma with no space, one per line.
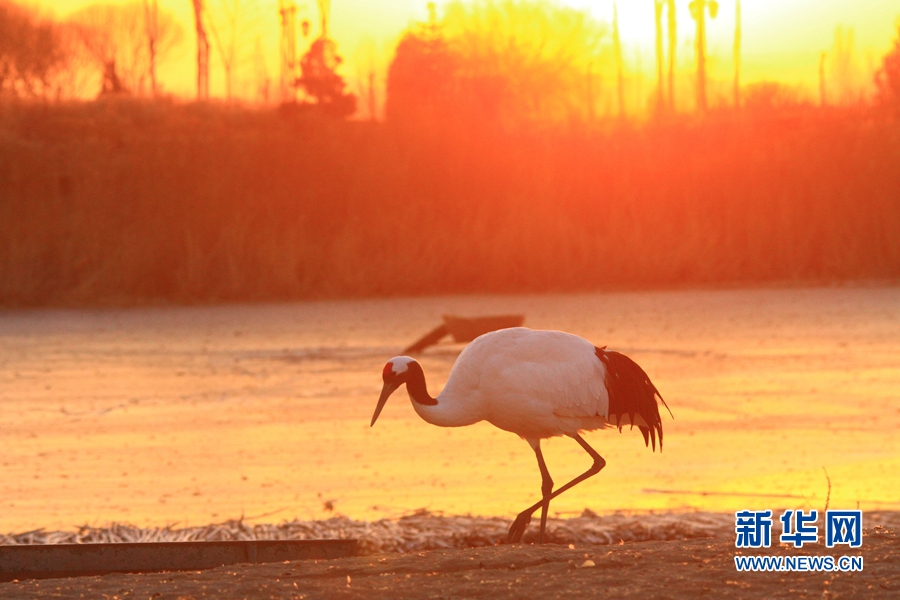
(546,489)
(517,530)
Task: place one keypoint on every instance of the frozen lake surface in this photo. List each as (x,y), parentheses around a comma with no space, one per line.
(154,416)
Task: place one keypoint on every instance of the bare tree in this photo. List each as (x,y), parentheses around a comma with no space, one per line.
(261,79)
(527,60)
(887,78)
(590,93)
(822,97)
(698,11)
(77,77)
(845,76)
(32,51)
(673,45)
(620,76)
(287,13)
(124,45)
(112,36)
(202,51)
(367,76)
(658,10)
(511,63)
(163,34)
(737,53)
(235,25)
(225,35)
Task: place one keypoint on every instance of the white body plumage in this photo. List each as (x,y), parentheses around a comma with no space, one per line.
(536,384)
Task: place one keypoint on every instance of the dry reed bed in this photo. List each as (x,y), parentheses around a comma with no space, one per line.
(425,531)
(129,202)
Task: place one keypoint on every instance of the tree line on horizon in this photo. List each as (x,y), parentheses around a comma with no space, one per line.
(110,48)
(528,59)
(116,49)
(481,56)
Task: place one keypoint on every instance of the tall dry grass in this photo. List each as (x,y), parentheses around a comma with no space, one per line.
(120,202)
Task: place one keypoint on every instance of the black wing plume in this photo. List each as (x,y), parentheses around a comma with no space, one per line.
(632,393)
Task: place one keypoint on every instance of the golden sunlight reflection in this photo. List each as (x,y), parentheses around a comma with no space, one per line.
(198,415)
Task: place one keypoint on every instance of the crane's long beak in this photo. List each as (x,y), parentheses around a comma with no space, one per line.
(386,391)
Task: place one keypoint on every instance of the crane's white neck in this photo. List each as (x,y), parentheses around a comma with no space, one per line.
(444,411)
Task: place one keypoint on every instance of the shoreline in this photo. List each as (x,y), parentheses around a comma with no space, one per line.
(422,530)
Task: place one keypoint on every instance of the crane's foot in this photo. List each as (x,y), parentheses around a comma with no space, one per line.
(517,529)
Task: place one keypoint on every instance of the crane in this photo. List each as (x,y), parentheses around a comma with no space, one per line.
(537,384)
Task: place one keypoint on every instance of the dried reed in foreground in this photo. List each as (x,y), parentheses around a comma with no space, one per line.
(425,531)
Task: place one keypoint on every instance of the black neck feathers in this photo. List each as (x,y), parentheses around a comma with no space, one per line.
(415,384)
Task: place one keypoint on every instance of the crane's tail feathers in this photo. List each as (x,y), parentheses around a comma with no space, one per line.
(666,405)
(632,396)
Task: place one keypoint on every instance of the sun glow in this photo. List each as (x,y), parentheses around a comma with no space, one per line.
(781,41)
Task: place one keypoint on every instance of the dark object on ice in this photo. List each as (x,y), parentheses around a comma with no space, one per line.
(42,561)
(464,329)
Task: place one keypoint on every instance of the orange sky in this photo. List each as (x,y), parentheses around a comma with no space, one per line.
(782,39)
